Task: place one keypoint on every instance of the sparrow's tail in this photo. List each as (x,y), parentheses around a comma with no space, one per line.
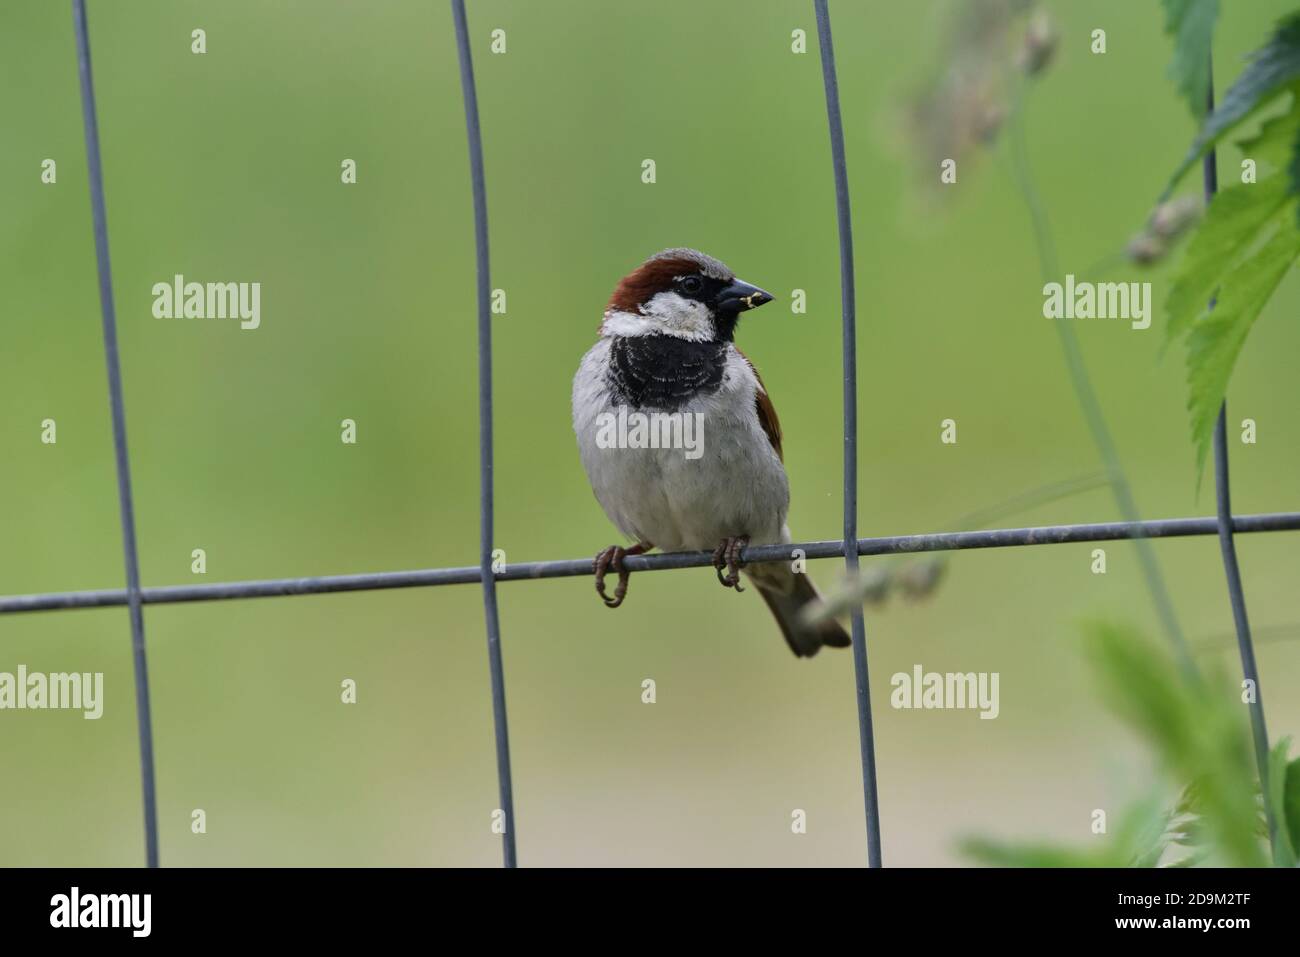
(787,594)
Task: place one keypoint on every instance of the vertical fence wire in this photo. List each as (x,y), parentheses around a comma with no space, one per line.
(866,735)
(1228,547)
(144,721)
(495,665)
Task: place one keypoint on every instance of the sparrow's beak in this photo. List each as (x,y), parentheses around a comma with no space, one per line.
(740,296)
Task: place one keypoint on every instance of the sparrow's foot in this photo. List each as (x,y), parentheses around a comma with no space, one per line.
(727,555)
(612,557)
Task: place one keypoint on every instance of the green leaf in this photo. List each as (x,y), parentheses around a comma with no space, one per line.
(993,853)
(1232,225)
(1197,730)
(1191,24)
(1233,220)
(1291,802)
(1284,846)
(1294,171)
(1191,860)
(1138,840)
(1191,832)
(1216,337)
(1198,733)
(1239,253)
(1273,144)
(1272,68)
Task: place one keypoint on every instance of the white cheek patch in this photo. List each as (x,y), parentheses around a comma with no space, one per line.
(619,323)
(670,314)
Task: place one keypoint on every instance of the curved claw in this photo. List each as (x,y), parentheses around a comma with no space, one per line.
(612,557)
(727,555)
(720,562)
(733,560)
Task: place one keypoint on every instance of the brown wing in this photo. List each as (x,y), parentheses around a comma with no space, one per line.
(766,411)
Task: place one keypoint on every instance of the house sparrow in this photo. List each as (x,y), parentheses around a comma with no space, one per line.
(666,355)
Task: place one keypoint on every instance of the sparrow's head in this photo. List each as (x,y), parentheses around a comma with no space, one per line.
(682,293)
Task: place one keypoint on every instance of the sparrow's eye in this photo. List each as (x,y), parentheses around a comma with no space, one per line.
(691,285)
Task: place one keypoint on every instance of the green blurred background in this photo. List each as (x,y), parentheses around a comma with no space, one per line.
(225,167)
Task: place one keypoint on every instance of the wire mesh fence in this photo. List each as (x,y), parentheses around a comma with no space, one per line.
(849,548)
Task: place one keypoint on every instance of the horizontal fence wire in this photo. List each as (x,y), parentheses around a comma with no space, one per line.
(117,407)
(575,567)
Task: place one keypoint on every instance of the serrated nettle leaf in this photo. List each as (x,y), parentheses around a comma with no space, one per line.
(1242,249)
(1216,337)
(1272,68)
(1273,144)
(1191,24)
(1230,229)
